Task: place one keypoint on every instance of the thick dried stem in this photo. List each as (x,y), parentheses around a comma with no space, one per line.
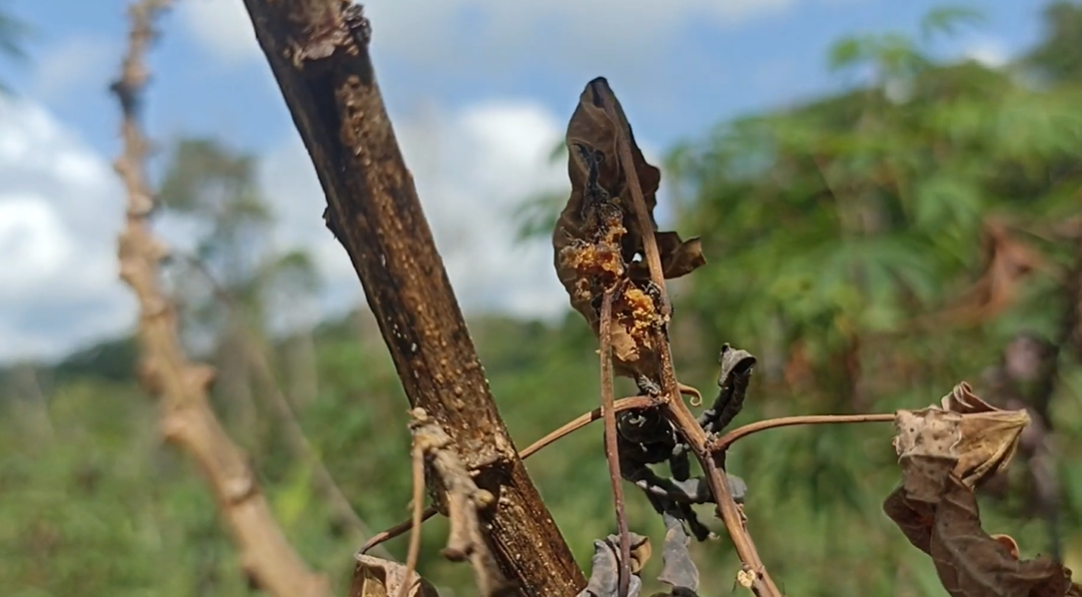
(187,420)
(318,51)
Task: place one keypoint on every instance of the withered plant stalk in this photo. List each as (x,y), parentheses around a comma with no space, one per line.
(186,417)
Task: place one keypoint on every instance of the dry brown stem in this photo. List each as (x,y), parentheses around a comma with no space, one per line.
(722,443)
(675,409)
(414,550)
(463,501)
(612,451)
(187,420)
(318,52)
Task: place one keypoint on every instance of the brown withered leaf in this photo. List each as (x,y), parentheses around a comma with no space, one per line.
(376,577)
(598,241)
(971,563)
(1008,263)
(944,454)
(966,437)
(927,446)
(989,435)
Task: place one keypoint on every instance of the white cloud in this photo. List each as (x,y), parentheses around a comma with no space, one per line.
(222,26)
(61,207)
(60,210)
(471,167)
(78,63)
(437,31)
(989,52)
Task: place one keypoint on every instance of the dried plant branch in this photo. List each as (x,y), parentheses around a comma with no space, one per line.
(612,452)
(318,52)
(632,403)
(719,445)
(417,505)
(187,420)
(675,409)
(463,501)
(295,435)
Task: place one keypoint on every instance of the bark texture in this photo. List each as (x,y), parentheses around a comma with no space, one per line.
(318,51)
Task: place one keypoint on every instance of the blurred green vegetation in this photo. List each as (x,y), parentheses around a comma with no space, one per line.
(872,248)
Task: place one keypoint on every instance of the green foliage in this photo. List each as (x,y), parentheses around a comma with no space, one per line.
(842,239)
(1057,57)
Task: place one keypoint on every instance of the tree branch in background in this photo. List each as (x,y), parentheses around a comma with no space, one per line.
(341,508)
(187,420)
(318,51)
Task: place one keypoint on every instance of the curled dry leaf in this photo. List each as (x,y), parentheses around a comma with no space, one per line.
(736,367)
(605,566)
(970,562)
(376,577)
(598,242)
(677,568)
(967,437)
(944,454)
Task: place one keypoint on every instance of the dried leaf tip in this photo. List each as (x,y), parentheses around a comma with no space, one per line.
(966,437)
(605,571)
(598,239)
(376,577)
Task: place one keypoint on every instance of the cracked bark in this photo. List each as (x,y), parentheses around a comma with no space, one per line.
(318,51)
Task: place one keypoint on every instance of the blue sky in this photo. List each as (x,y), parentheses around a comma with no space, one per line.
(479,91)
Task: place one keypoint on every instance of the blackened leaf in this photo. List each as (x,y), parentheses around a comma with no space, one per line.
(677,569)
(736,367)
(598,240)
(605,567)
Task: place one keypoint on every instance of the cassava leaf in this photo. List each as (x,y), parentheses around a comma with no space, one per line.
(376,577)
(598,240)
(677,568)
(944,453)
(605,566)
(967,437)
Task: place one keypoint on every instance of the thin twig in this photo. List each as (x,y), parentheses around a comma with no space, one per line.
(464,501)
(585,419)
(722,443)
(678,412)
(571,426)
(612,452)
(418,499)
